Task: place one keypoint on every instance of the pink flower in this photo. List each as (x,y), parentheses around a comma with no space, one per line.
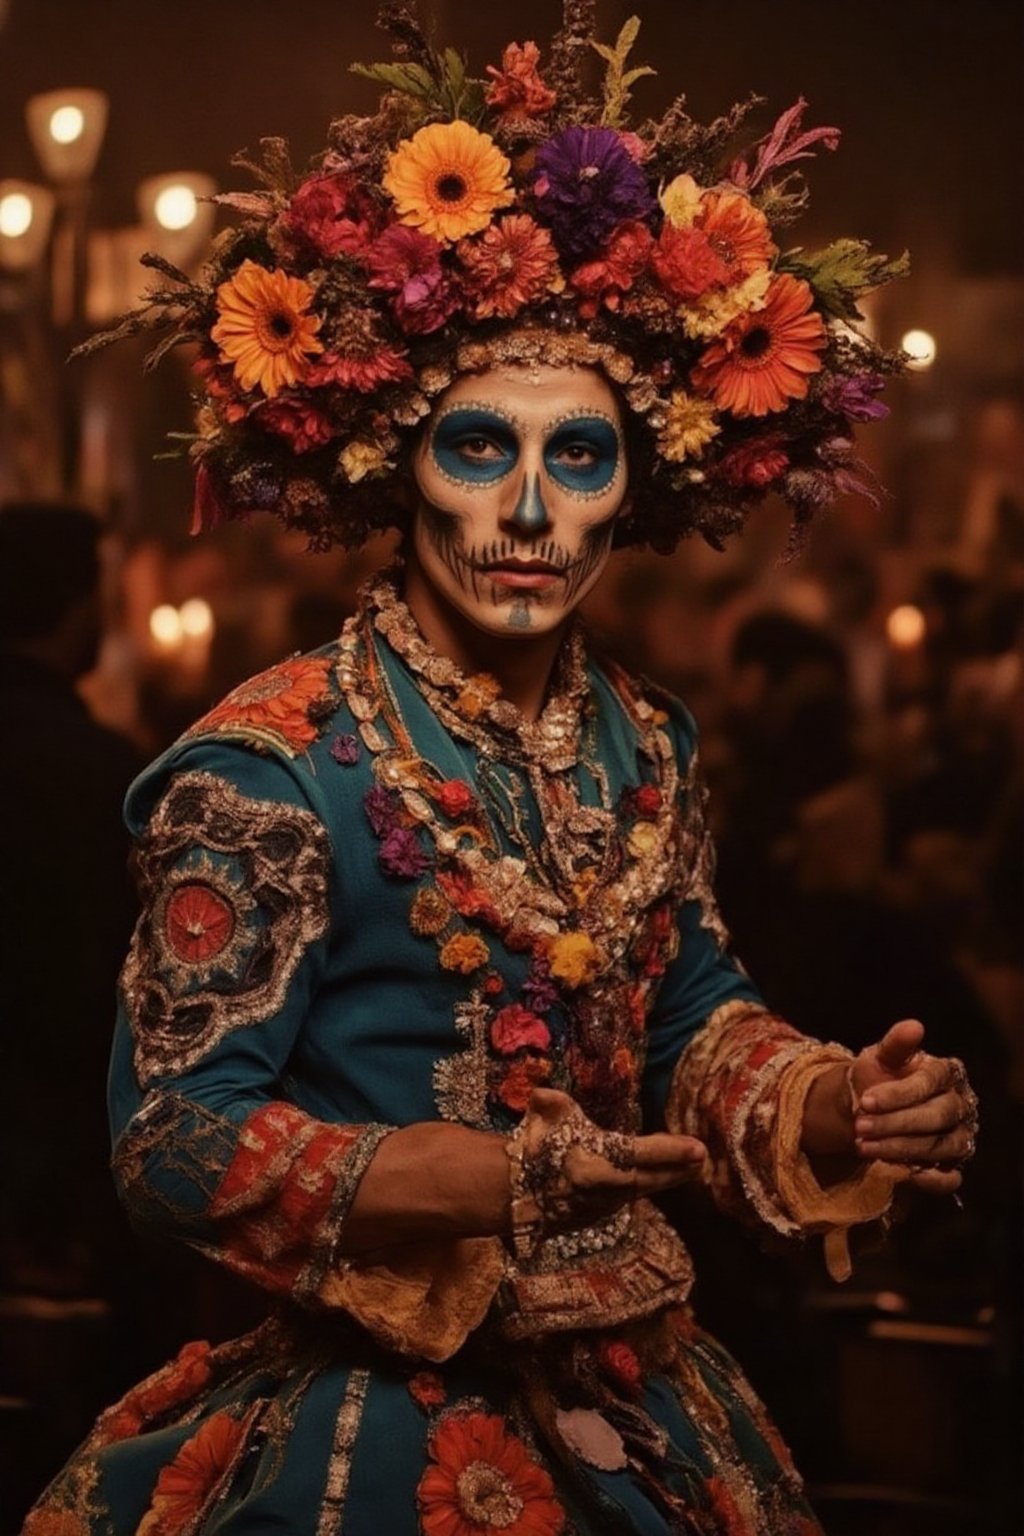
(515,1028)
(401,854)
(330,216)
(406,264)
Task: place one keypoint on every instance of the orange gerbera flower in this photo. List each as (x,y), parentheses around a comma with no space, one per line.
(447,180)
(737,232)
(765,357)
(483,1479)
(513,263)
(279,707)
(186,1483)
(265,329)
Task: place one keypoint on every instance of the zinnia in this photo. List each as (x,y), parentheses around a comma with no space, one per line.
(406,264)
(362,371)
(764,360)
(587,183)
(687,263)
(516,89)
(482,1478)
(448,179)
(513,263)
(265,329)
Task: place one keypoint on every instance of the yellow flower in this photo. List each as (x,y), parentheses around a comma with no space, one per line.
(464,952)
(690,425)
(265,329)
(359,458)
(574,958)
(447,180)
(711,313)
(480,691)
(680,201)
(642,838)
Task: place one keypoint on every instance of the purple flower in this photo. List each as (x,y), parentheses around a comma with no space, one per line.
(853,397)
(401,854)
(539,991)
(587,183)
(345,750)
(381,806)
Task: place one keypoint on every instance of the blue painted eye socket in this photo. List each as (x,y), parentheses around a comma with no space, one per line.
(474,445)
(583,454)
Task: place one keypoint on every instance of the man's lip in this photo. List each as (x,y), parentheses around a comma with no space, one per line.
(523,568)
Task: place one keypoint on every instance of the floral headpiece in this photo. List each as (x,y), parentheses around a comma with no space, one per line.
(520,218)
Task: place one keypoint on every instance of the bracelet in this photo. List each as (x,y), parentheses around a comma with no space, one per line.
(541,1196)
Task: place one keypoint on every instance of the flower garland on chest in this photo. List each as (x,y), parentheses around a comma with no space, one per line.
(590,902)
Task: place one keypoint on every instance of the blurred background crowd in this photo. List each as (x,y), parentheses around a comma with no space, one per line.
(860,705)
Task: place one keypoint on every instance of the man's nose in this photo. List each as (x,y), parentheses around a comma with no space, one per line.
(530,514)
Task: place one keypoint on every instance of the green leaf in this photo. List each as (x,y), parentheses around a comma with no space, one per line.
(409,79)
(618,81)
(842,272)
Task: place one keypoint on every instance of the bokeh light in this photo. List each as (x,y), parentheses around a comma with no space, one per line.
(921,348)
(165,625)
(905,626)
(67,124)
(175,207)
(15,215)
(196,618)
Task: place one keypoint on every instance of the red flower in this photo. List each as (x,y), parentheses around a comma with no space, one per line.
(303,425)
(647,800)
(186,1483)
(687,263)
(329,215)
(481,1479)
(427,1389)
(516,89)
(199,922)
(467,899)
(454,797)
(219,383)
(515,1028)
(208,511)
(280,704)
(493,984)
(522,1077)
(604,280)
(385,365)
(755,464)
(621,1364)
(406,263)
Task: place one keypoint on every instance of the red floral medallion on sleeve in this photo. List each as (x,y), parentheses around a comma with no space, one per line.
(188,1483)
(234,892)
(284,707)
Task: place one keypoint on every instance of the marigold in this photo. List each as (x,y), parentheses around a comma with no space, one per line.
(687,264)
(689,426)
(448,179)
(186,1483)
(265,329)
(482,1478)
(764,360)
(465,953)
(512,263)
(573,958)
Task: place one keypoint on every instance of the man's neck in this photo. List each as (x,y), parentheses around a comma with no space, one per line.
(522,666)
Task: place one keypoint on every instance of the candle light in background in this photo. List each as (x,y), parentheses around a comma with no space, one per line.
(920,347)
(165,628)
(906,627)
(177,214)
(26,212)
(196,619)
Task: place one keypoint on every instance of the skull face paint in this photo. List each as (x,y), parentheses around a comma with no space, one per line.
(521,473)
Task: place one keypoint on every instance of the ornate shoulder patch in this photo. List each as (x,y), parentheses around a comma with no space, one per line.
(698,853)
(285,707)
(234,891)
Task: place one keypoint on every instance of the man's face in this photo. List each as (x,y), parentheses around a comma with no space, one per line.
(520,472)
